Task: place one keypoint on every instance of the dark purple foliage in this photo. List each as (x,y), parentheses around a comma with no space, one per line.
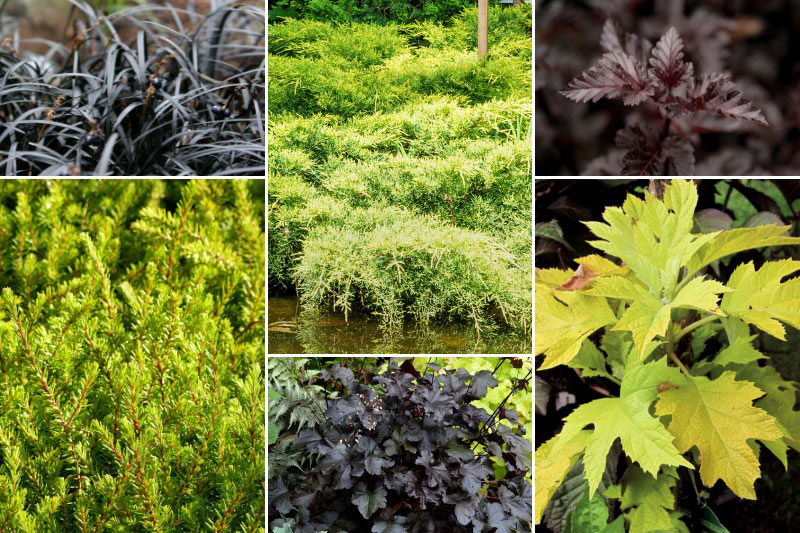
(668,83)
(400,457)
(702,88)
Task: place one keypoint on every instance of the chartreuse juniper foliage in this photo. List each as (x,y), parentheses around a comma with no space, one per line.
(401,455)
(400,169)
(680,406)
(131,356)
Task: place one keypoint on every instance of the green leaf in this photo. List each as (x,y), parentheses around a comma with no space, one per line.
(732,241)
(590,361)
(739,352)
(718,417)
(551,230)
(710,523)
(644,439)
(590,515)
(273,431)
(551,468)
(649,499)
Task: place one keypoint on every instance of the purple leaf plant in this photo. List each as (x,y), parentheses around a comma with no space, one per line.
(682,100)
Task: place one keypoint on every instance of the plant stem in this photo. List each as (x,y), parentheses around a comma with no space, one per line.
(671,341)
(693,326)
(678,362)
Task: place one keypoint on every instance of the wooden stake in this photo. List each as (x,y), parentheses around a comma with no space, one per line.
(483,27)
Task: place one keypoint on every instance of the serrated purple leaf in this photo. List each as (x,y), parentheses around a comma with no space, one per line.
(716,93)
(616,75)
(644,156)
(666,61)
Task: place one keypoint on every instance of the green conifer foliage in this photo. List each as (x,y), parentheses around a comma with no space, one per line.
(131,356)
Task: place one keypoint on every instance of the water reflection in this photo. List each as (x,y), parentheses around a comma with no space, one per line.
(294,330)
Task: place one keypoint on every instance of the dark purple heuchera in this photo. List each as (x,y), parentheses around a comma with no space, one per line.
(686,104)
(401,460)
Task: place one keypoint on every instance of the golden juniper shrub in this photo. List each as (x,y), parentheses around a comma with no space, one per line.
(131,356)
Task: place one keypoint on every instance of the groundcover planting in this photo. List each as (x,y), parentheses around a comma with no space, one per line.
(400,169)
(142,90)
(393,445)
(131,356)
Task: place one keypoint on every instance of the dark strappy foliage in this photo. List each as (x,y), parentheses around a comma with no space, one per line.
(145,90)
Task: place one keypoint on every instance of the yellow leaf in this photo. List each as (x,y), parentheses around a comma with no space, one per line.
(564,319)
(760,298)
(644,439)
(729,242)
(719,418)
(551,468)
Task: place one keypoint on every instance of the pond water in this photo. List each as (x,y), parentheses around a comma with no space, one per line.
(290,330)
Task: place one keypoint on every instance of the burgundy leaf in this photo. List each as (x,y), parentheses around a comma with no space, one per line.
(644,156)
(679,156)
(717,93)
(617,74)
(408,368)
(612,36)
(667,63)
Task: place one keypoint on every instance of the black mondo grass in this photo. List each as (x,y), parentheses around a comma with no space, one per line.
(136,92)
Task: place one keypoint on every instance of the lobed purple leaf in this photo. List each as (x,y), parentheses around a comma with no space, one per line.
(616,75)
(667,63)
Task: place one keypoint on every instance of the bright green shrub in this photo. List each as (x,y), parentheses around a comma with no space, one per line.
(360,45)
(306,86)
(131,356)
(416,265)
(374,11)
(377,132)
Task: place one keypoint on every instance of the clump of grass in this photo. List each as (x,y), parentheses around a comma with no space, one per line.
(184,96)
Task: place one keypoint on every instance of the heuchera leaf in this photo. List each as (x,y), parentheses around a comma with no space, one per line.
(760,298)
(497,518)
(481,381)
(667,63)
(473,473)
(718,417)
(369,501)
(644,439)
(617,74)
